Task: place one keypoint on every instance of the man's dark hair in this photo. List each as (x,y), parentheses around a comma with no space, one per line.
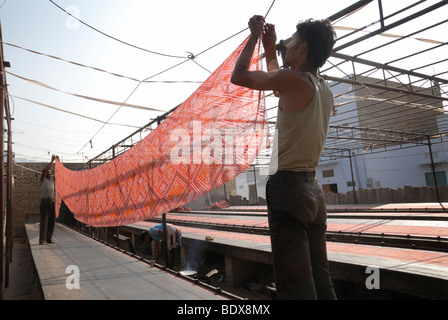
(320,36)
(143,236)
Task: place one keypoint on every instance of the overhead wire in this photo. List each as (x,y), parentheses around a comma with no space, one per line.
(235,34)
(32,157)
(56,129)
(83,96)
(190,57)
(129,96)
(70,112)
(43,137)
(96,68)
(26,168)
(114,38)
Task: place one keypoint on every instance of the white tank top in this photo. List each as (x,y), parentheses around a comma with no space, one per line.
(300,135)
(47,188)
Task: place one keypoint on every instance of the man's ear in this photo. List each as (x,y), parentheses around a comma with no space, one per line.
(303,47)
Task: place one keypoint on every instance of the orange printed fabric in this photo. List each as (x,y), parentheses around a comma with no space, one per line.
(207,141)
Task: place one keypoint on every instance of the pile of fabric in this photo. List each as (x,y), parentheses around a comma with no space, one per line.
(219,205)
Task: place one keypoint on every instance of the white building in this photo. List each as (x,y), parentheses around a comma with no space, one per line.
(371,165)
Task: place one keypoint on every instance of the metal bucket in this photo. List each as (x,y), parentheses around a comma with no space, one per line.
(189,273)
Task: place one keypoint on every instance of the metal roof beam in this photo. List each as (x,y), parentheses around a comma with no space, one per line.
(382,87)
(387,67)
(393,25)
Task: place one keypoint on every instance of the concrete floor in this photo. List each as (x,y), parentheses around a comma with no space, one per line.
(23,283)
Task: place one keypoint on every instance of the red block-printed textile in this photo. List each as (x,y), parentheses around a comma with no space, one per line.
(207,141)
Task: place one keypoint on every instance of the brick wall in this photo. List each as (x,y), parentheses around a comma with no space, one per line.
(407,194)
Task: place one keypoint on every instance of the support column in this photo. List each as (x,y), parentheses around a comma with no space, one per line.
(2,173)
(353,179)
(433,168)
(165,239)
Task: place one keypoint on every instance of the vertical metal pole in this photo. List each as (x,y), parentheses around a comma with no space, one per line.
(256,189)
(165,239)
(9,218)
(225,192)
(433,167)
(380,7)
(165,236)
(353,179)
(2,172)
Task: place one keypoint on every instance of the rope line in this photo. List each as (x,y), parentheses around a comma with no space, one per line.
(191,57)
(135,89)
(95,68)
(41,84)
(113,38)
(70,112)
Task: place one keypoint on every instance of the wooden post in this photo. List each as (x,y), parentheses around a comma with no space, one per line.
(2,171)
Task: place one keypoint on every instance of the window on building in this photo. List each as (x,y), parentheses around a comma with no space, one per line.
(440,176)
(328,173)
(330,187)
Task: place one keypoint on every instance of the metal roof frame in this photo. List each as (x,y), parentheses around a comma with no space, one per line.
(378,85)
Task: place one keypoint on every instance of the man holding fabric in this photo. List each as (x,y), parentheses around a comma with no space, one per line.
(47,210)
(296,203)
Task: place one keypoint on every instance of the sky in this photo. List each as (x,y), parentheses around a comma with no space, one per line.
(175,29)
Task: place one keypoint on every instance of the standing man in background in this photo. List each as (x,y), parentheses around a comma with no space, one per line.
(47,209)
(296,204)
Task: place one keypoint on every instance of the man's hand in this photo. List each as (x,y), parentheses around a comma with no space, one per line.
(256,24)
(269,36)
(269,40)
